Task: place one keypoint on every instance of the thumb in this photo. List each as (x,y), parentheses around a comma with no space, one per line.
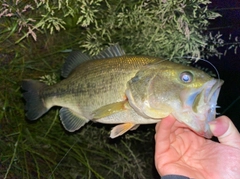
(225,131)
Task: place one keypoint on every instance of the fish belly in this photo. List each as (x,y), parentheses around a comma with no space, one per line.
(127,116)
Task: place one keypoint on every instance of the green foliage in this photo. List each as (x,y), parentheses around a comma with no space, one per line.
(215,42)
(158,27)
(34,38)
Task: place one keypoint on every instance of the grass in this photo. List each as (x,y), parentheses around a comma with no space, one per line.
(43,149)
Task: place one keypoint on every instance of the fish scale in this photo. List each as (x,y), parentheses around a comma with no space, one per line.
(111,83)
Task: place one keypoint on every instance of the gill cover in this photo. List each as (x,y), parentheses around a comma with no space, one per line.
(141,93)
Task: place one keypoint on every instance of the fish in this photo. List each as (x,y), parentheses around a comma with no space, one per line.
(125,90)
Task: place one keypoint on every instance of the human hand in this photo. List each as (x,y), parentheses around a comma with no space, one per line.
(180,151)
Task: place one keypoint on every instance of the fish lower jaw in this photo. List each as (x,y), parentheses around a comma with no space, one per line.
(198,122)
(189,112)
(205,108)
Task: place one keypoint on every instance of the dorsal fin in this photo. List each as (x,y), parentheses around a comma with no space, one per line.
(112,51)
(74,59)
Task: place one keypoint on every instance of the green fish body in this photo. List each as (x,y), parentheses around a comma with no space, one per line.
(114,88)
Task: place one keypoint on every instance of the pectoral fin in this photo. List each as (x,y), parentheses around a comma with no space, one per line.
(71,120)
(156,113)
(121,129)
(110,109)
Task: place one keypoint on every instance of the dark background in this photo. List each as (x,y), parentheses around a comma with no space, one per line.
(229,65)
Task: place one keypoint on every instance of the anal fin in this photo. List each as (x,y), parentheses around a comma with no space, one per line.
(121,129)
(71,120)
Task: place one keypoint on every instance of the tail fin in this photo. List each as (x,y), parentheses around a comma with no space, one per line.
(34,103)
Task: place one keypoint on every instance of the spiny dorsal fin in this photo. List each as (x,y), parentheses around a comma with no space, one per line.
(112,51)
(74,59)
(71,120)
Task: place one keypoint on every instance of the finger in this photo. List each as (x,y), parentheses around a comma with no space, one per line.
(163,131)
(225,130)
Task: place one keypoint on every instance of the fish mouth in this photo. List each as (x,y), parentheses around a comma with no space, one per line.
(200,105)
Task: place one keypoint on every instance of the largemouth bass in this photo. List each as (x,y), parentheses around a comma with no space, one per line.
(114,88)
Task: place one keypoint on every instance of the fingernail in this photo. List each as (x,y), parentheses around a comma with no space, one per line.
(218,127)
(212,126)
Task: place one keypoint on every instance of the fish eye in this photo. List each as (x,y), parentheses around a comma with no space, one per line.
(186,77)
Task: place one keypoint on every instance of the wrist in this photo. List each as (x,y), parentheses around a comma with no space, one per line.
(174,177)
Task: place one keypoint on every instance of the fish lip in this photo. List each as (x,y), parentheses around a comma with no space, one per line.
(211,103)
(201,104)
